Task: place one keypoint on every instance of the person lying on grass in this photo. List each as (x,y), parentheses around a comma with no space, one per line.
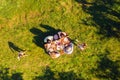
(81,46)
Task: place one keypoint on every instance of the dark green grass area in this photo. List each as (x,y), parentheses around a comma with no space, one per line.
(104,15)
(25,23)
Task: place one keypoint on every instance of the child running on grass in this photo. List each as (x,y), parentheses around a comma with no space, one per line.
(21,54)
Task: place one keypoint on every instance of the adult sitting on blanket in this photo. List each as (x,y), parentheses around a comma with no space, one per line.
(58,44)
(50,47)
(64,39)
(58,35)
(61,40)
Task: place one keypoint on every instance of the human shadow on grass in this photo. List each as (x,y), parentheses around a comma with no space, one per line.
(4,74)
(40,35)
(107,69)
(50,75)
(14,47)
(103,16)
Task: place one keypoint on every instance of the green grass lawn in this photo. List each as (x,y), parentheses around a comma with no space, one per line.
(25,23)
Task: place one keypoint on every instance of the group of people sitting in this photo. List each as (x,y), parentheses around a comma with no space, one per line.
(58,44)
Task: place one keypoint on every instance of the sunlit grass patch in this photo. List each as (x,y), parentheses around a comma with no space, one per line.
(23,22)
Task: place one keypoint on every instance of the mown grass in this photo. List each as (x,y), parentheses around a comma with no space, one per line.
(26,22)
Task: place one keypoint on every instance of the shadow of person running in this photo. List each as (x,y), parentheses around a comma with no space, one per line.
(40,35)
(13,47)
